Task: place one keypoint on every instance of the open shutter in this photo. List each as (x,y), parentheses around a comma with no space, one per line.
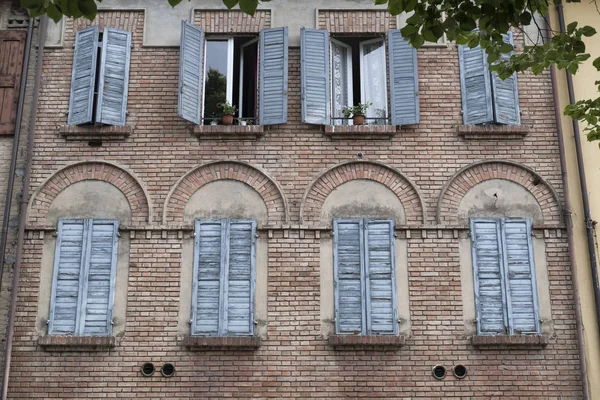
(273,80)
(83,77)
(114,77)
(314,67)
(488,276)
(404,85)
(12,48)
(191,75)
(475,85)
(381,307)
(506,95)
(348,266)
(520,274)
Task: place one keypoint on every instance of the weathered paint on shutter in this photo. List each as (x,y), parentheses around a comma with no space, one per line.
(12,48)
(506,93)
(519,267)
(475,86)
(273,79)
(83,77)
(488,276)
(191,75)
(404,83)
(380,293)
(348,260)
(114,77)
(314,65)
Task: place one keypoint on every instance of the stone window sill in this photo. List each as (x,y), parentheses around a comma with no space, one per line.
(500,341)
(494,132)
(103,133)
(77,343)
(228,132)
(390,341)
(360,131)
(223,342)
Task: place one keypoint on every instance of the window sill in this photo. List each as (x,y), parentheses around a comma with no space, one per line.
(103,133)
(228,132)
(491,131)
(360,131)
(77,343)
(500,341)
(224,342)
(389,341)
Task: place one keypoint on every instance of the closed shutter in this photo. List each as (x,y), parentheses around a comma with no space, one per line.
(12,48)
(315,76)
(190,73)
(475,85)
(273,79)
(404,85)
(506,96)
(83,77)
(114,77)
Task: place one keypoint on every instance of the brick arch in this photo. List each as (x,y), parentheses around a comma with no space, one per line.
(470,175)
(125,181)
(199,176)
(327,181)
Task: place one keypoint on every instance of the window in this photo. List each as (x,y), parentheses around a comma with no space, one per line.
(364,276)
(224,278)
(486,98)
(239,70)
(345,71)
(504,276)
(84,278)
(100,77)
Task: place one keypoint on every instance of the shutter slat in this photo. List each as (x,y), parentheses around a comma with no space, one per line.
(506,94)
(83,76)
(404,84)
(273,79)
(315,76)
(475,85)
(12,47)
(191,78)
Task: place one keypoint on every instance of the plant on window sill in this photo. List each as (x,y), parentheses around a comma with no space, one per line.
(357,112)
(228,113)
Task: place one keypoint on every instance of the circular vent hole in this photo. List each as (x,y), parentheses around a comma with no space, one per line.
(460,371)
(167,370)
(439,372)
(148,369)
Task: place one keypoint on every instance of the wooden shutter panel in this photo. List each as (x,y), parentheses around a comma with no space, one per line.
(404,84)
(315,76)
(83,77)
(114,77)
(380,277)
(506,94)
(273,79)
(475,85)
(12,48)
(191,76)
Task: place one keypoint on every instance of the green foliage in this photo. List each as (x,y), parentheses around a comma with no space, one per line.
(356,110)
(216,93)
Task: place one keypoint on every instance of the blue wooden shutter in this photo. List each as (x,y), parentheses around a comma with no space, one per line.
(273,79)
(380,293)
(314,65)
(191,75)
(475,85)
(506,94)
(114,77)
(348,260)
(83,77)
(488,276)
(519,271)
(404,84)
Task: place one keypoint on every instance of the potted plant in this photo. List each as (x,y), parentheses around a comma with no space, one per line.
(357,112)
(242,122)
(228,112)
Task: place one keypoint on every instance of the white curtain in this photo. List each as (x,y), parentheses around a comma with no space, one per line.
(340,80)
(373,80)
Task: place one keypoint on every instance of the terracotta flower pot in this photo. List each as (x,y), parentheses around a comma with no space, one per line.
(358,120)
(227,119)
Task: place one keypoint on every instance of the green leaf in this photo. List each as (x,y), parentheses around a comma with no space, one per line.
(173,3)
(506,48)
(409,30)
(230,3)
(88,8)
(596,63)
(571,27)
(395,7)
(248,6)
(380,2)
(588,31)
(525,18)
(54,13)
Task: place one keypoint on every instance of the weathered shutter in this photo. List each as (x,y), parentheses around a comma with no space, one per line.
(314,65)
(506,94)
(100,272)
(83,77)
(114,77)
(381,307)
(191,75)
(475,85)
(240,283)
(522,302)
(348,278)
(488,276)
(404,84)
(12,48)
(273,79)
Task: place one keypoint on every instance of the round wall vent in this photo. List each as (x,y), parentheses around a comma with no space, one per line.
(148,369)
(460,371)
(439,372)
(167,370)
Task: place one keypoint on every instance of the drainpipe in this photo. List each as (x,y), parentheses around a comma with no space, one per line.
(42,32)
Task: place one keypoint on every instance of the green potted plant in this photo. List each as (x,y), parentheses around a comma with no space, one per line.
(357,112)
(228,113)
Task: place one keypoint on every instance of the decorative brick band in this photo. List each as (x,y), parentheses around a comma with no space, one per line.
(125,181)
(131,20)
(360,340)
(324,184)
(102,133)
(349,21)
(469,176)
(187,185)
(209,343)
(76,343)
(232,21)
(510,341)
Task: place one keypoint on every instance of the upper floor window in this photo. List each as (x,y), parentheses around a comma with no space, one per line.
(100,77)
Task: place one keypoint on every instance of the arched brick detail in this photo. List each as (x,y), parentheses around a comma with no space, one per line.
(188,184)
(326,182)
(471,175)
(125,181)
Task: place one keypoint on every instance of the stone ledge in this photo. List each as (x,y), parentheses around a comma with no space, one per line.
(361,340)
(228,132)
(229,342)
(492,131)
(360,131)
(499,341)
(77,343)
(95,132)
